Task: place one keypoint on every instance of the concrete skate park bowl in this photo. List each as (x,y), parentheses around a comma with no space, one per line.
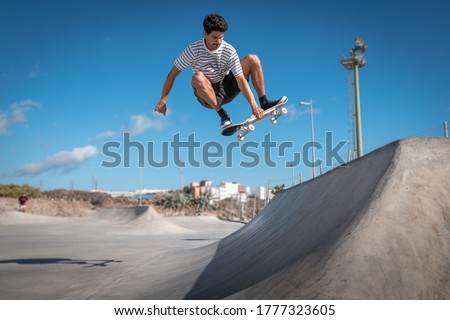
(377,228)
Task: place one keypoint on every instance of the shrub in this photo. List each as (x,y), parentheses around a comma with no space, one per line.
(15,191)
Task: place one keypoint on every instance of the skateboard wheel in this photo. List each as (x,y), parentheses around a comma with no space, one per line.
(283,110)
(273,120)
(240,137)
(251,127)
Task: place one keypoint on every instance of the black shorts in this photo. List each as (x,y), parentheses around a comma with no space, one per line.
(226,90)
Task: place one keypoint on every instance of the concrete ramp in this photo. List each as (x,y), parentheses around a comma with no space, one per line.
(378,228)
(120,215)
(139,220)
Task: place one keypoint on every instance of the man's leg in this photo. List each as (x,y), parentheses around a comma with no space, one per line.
(205,90)
(251,66)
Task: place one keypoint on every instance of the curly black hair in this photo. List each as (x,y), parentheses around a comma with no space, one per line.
(214,22)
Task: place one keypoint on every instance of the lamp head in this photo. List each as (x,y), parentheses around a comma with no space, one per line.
(360,45)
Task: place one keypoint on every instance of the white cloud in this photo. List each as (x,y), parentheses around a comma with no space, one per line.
(138,124)
(16,113)
(65,161)
(141,123)
(295,112)
(105,135)
(35,71)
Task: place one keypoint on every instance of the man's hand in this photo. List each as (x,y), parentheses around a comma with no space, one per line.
(258,112)
(161,107)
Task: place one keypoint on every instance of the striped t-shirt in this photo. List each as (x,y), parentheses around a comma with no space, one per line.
(215,64)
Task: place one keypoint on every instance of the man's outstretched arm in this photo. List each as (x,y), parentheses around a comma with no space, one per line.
(161,106)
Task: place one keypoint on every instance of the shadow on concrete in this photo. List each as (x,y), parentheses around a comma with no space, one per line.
(84,263)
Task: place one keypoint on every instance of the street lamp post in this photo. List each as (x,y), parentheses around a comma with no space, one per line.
(293,180)
(140,184)
(354,62)
(310,104)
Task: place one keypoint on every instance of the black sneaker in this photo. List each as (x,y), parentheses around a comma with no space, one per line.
(225,120)
(273,103)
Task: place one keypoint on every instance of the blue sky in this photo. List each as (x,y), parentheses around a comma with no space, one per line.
(76,75)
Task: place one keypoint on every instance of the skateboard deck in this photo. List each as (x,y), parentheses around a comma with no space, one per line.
(249,124)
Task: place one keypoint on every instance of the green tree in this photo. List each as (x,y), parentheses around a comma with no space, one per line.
(278,188)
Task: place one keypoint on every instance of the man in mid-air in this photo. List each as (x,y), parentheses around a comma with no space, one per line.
(219,75)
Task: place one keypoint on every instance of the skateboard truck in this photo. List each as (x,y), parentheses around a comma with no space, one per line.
(276,114)
(245,129)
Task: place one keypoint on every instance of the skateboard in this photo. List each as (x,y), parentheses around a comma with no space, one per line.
(249,124)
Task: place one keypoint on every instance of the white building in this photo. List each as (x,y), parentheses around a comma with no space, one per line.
(260,193)
(229,190)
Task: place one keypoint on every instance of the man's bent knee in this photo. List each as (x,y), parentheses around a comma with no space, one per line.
(199,79)
(251,59)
